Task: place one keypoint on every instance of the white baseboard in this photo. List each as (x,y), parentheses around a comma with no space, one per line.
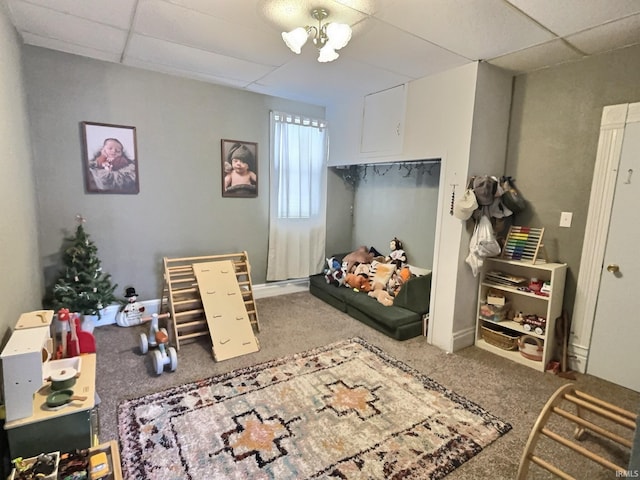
(259,291)
(578,355)
(284,287)
(463,338)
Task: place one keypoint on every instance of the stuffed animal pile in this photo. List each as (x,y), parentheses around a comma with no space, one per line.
(365,270)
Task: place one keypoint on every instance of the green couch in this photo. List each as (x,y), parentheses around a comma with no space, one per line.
(402,320)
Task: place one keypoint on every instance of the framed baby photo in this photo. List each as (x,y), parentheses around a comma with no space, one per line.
(239,169)
(110,158)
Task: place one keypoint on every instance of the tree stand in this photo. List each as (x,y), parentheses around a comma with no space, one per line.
(158,338)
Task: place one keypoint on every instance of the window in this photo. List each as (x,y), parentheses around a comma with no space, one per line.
(298,196)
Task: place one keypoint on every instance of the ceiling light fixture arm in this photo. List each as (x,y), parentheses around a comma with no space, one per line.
(320,37)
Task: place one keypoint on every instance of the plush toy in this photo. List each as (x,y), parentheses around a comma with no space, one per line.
(358,282)
(361,255)
(397,254)
(398,279)
(334,274)
(362,269)
(380,294)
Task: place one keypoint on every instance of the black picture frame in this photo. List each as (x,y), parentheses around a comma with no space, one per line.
(241,181)
(106,170)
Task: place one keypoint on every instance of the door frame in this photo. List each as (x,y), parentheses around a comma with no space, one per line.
(612,126)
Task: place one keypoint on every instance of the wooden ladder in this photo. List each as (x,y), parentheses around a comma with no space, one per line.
(181,295)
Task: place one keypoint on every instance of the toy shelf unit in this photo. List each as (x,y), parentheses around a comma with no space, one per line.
(516,314)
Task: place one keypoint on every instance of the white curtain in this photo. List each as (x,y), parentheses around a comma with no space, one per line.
(297,210)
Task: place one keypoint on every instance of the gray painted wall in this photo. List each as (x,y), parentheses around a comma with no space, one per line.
(179,211)
(553,140)
(398,201)
(20,282)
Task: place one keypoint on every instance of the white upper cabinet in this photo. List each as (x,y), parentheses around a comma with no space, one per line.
(383,122)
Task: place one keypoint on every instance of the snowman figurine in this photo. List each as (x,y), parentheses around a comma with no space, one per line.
(131,313)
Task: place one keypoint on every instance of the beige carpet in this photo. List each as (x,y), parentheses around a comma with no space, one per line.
(299,322)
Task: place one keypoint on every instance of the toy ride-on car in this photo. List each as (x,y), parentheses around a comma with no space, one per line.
(158,339)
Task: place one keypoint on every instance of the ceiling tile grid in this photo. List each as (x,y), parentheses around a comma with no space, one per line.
(238,43)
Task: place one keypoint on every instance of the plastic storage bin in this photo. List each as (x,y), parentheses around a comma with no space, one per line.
(494,313)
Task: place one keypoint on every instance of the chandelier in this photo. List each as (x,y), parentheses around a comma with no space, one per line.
(327,38)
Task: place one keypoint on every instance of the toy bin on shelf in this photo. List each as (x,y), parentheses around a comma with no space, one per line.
(498,337)
(493,313)
(29,463)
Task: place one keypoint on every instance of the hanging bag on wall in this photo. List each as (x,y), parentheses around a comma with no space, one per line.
(511,197)
(483,244)
(465,205)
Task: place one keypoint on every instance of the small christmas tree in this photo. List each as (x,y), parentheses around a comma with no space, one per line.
(82,286)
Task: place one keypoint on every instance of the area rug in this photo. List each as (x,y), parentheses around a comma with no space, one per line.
(346,410)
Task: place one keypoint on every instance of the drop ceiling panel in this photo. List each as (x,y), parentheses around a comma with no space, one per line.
(609,36)
(328,80)
(171,70)
(569,16)
(289,14)
(474,29)
(188,59)
(537,57)
(175,24)
(385,47)
(116,13)
(233,11)
(31,39)
(59,27)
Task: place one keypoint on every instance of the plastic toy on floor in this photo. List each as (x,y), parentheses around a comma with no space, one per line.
(158,338)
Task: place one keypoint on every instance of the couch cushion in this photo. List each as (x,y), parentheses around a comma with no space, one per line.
(390,316)
(334,296)
(399,332)
(415,295)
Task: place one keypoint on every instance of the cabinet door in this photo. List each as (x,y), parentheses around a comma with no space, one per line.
(64,433)
(383,121)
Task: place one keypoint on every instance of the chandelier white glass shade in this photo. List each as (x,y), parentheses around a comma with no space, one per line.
(328,37)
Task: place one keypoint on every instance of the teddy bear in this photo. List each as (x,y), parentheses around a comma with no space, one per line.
(380,294)
(358,282)
(361,255)
(334,274)
(397,254)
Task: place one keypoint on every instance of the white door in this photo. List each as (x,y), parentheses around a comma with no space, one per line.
(615,339)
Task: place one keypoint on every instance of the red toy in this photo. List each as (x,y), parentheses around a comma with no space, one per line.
(79,341)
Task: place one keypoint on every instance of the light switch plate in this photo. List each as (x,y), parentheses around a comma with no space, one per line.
(565,219)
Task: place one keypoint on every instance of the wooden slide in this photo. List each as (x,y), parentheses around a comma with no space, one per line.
(192,310)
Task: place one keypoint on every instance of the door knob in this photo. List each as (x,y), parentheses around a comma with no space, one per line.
(613,268)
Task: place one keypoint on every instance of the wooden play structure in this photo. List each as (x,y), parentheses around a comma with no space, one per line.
(212,295)
(589,409)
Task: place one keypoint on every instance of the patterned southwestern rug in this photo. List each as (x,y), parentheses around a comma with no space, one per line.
(346,410)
